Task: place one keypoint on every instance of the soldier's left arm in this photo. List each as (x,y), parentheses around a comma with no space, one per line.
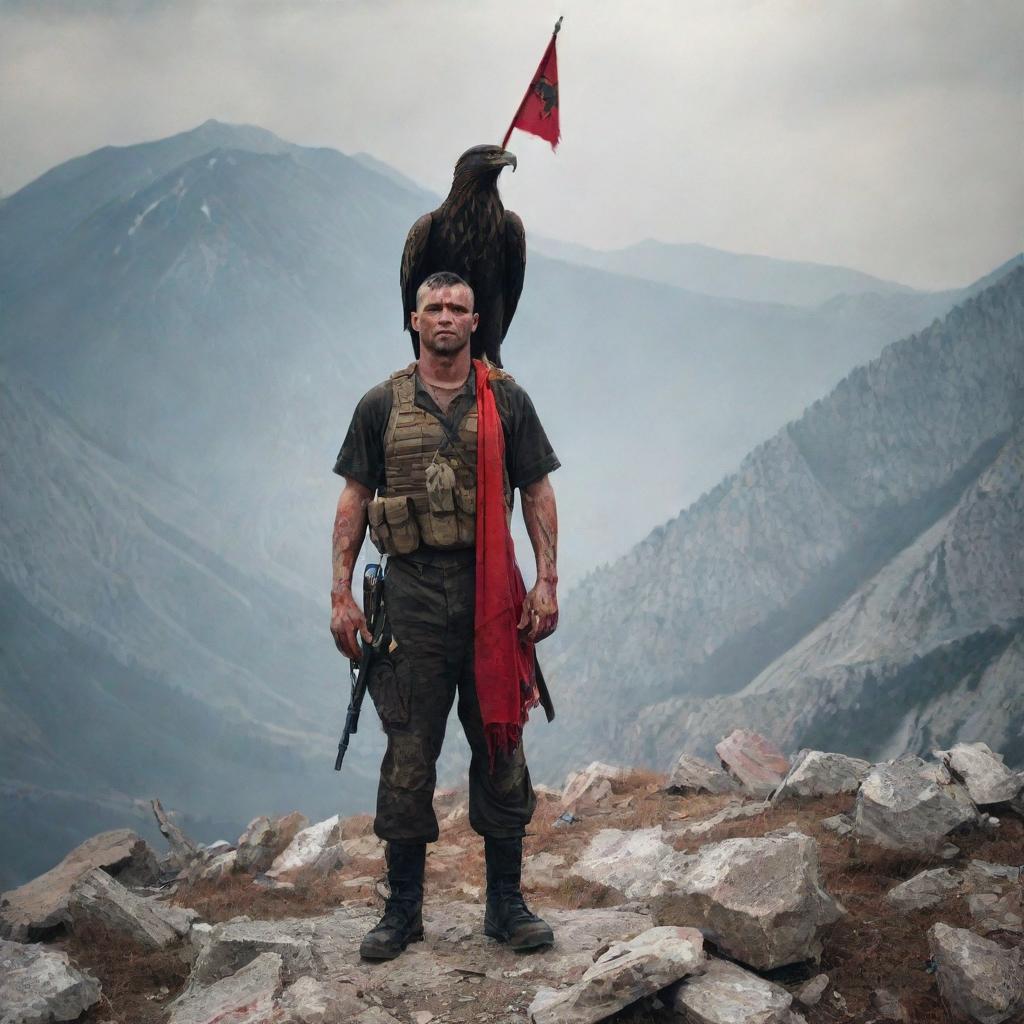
(540,609)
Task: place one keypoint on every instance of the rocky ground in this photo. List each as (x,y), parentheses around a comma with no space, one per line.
(851,893)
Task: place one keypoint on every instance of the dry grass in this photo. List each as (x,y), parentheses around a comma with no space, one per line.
(871,947)
(237,894)
(574,892)
(640,780)
(875,947)
(137,986)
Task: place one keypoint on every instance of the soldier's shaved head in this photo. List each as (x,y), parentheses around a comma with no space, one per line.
(442,279)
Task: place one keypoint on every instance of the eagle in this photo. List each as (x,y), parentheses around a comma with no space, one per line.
(474,236)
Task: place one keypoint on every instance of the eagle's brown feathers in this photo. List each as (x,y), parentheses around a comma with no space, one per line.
(473,235)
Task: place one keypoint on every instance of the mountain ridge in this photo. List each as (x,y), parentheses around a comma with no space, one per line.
(137,661)
(317,231)
(854,464)
(729,274)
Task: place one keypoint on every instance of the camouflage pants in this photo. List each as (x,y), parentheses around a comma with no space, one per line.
(430,601)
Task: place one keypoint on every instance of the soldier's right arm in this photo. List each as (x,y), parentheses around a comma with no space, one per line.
(349,529)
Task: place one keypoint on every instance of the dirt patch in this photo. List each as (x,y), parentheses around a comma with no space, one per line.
(137,986)
(574,892)
(877,947)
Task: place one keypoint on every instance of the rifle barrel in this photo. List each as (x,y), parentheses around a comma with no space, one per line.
(360,670)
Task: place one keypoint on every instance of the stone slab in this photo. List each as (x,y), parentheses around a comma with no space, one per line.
(753,761)
(628,971)
(819,773)
(34,909)
(245,997)
(99,901)
(727,994)
(40,985)
(978,979)
(760,900)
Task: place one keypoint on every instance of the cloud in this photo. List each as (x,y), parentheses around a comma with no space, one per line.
(883,136)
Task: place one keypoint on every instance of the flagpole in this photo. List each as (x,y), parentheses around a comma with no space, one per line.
(526,95)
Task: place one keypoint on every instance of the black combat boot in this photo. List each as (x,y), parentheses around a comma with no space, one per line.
(508,918)
(402,922)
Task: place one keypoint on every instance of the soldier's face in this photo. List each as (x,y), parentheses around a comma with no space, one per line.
(445,320)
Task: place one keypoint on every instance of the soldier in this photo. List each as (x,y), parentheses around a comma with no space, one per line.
(413,441)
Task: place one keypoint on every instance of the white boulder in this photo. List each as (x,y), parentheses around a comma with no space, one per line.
(33,909)
(901,805)
(638,863)
(311,1001)
(628,971)
(978,979)
(97,900)
(265,838)
(727,994)
(691,775)
(543,870)
(219,868)
(40,985)
(592,785)
(995,897)
(307,845)
(232,944)
(245,997)
(363,846)
(730,812)
(817,773)
(925,889)
(987,779)
(811,991)
(760,901)
(841,824)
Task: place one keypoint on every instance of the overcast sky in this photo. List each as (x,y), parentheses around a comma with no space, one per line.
(886,136)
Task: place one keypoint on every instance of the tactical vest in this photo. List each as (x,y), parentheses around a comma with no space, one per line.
(430,473)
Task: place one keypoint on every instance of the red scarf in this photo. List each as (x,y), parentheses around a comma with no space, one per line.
(506,684)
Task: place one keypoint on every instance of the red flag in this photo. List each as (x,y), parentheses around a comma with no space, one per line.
(538,113)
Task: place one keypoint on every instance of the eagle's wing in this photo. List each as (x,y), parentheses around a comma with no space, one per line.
(515,266)
(414,264)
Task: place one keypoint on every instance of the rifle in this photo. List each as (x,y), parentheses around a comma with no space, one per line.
(359,671)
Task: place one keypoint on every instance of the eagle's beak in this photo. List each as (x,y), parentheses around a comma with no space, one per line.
(510,159)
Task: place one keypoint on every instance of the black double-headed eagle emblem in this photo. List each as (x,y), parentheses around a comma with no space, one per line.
(548,94)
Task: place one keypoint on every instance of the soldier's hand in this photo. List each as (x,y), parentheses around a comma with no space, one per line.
(347,619)
(540,611)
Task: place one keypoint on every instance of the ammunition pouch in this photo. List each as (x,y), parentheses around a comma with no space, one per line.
(393,527)
(448,518)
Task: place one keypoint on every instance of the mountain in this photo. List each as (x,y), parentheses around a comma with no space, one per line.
(429,199)
(730,275)
(185,327)
(109,552)
(858,582)
(137,661)
(36,219)
(85,740)
(170,294)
